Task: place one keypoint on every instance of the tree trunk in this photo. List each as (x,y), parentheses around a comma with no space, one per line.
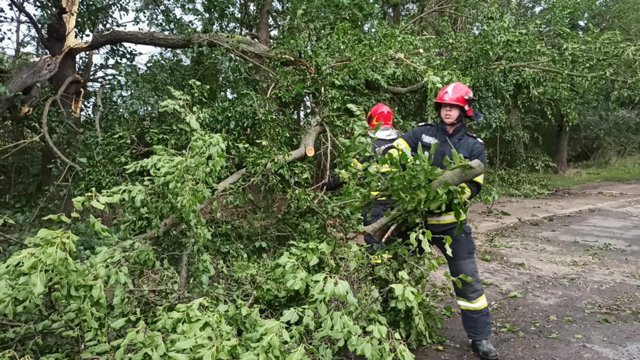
(396,13)
(515,118)
(16,53)
(263,23)
(47,158)
(562,143)
(60,36)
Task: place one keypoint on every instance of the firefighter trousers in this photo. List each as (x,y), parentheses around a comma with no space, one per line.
(371,214)
(470,296)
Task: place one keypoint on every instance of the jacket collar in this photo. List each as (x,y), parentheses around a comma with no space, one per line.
(385,133)
(458,132)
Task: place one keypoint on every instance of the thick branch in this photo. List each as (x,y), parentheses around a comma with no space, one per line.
(406,90)
(172,41)
(32,21)
(33,73)
(12,239)
(45,114)
(184,271)
(454,177)
(306,147)
(46,67)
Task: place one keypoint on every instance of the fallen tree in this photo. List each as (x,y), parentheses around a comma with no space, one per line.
(306,148)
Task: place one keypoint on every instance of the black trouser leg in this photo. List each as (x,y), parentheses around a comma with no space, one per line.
(370,215)
(473,304)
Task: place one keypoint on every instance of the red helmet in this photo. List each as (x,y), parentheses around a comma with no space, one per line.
(380,115)
(458,94)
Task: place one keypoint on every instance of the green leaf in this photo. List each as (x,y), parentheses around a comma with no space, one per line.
(290,316)
(177,356)
(98,205)
(36,281)
(515,294)
(99,349)
(119,323)
(366,350)
(185,344)
(58,217)
(342,288)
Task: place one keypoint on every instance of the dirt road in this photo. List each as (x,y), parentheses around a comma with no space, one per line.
(562,275)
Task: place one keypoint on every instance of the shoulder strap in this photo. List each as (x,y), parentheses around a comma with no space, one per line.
(475,137)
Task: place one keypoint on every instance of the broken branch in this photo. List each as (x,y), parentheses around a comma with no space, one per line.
(172,41)
(184,271)
(45,114)
(406,90)
(307,146)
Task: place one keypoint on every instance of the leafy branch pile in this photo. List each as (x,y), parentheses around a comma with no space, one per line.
(212,289)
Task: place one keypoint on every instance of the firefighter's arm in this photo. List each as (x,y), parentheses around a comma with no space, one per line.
(407,143)
(335,182)
(473,187)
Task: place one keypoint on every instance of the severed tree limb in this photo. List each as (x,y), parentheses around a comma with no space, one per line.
(184,271)
(403,91)
(456,176)
(33,73)
(306,148)
(45,114)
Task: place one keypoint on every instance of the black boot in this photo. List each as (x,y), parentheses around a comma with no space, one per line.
(485,349)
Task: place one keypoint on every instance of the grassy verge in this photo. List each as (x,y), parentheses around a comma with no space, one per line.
(515,183)
(619,170)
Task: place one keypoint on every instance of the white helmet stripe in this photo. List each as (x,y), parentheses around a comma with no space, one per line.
(449,91)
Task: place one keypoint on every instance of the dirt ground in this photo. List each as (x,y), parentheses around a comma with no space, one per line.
(562,275)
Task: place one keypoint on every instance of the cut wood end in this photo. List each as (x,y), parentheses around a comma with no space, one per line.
(25,110)
(310,151)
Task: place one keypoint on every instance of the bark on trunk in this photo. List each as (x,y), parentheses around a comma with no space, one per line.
(515,118)
(396,14)
(16,53)
(263,24)
(47,158)
(562,143)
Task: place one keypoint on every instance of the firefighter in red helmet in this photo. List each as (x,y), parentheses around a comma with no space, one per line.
(453,105)
(380,122)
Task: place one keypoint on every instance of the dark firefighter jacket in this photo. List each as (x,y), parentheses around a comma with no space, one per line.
(466,144)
